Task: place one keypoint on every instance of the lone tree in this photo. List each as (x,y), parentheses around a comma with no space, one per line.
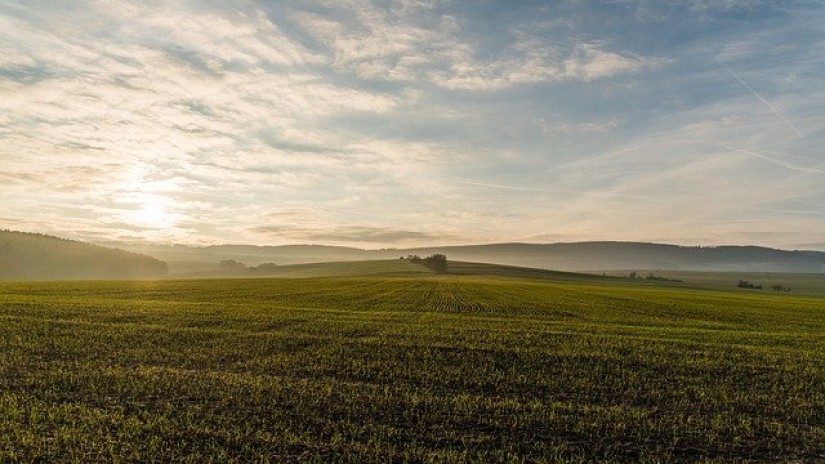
(436,262)
(751,285)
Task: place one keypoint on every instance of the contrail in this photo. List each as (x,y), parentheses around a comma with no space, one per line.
(791,211)
(784,164)
(775,111)
(510,187)
(563,192)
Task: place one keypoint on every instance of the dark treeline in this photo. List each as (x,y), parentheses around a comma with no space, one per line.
(436,262)
(233,266)
(31,256)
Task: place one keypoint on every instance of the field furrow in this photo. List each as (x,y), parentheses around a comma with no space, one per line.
(407,369)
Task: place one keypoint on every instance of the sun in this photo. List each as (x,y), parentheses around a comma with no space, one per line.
(153,212)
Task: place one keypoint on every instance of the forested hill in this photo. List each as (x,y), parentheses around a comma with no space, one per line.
(580,256)
(28,256)
(637,255)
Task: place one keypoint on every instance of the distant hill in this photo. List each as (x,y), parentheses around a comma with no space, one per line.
(184,259)
(637,255)
(578,256)
(402,268)
(28,256)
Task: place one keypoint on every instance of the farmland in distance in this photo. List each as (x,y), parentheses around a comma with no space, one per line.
(408,367)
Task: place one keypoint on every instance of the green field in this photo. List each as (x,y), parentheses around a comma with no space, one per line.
(408,368)
(797,283)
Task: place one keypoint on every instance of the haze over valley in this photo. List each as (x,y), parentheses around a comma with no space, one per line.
(412,231)
(40,257)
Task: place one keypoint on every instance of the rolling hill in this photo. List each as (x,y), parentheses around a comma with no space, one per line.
(29,256)
(641,255)
(579,256)
(400,268)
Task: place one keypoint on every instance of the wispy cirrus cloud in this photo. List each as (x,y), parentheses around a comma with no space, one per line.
(354,234)
(410,121)
(423,43)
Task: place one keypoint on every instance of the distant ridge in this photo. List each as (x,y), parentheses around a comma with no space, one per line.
(32,256)
(573,256)
(641,255)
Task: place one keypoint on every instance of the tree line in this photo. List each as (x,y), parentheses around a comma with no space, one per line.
(753,286)
(232,265)
(436,262)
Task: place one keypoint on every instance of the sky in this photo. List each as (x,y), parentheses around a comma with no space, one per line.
(394,123)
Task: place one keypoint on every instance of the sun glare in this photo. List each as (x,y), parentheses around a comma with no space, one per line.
(153,212)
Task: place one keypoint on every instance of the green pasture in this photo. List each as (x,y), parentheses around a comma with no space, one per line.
(408,368)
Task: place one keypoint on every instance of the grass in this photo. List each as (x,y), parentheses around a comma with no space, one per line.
(418,368)
(331,269)
(798,283)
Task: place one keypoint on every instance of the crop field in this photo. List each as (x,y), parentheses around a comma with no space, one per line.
(419,368)
(796,283)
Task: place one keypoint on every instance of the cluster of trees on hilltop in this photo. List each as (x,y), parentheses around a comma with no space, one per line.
(753,286)
(650,276)
(232,265)
(32,256)
(589,256)
(436,262)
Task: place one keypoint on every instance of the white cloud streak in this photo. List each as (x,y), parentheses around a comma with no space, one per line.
(766,102)
(778,162)
(556,192)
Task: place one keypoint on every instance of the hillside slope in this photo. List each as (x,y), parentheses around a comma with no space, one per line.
(29,256)
(399,268)
(641,255)
(580,256)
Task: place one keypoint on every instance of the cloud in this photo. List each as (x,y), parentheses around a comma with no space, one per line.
(388,44)
(553,128)
(778,162)
(352,234)
(585,62)
(767,103)
(811,245)
(408,120)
